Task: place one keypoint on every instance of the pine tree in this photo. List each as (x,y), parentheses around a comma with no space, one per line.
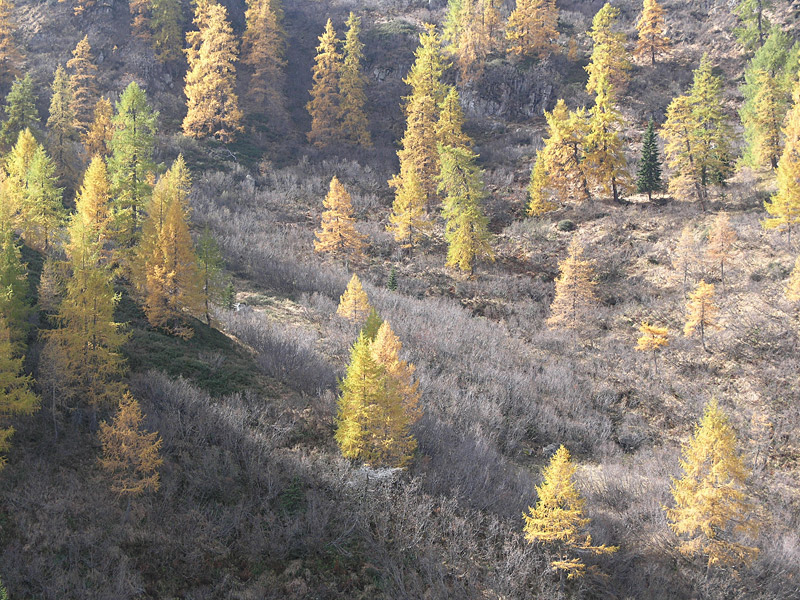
(16,397)
(648,177)
(166,17)
(754,22)
(609,65)
(352,83)
(212,107)
(354,304)
(467,228)
(653,338)
(532,28)
(574,298)
(684,258)
(712,507)
(651,27)
(721,239)
(131,456)
(43,208)
(211,264)
(606,164)
(61,122)
(173,284)
(562,171)
(784,205)
(325,104)
(97,140)
(83,82)
(338,235)
(792,289)
(20,109)
(391,284)
(140,18)
(14,291)
(449,129)
(10,55)
(262,51)
(701,311)
(558,518)
(131,165)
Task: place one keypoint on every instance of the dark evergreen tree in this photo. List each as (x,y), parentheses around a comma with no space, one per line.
(648,177)
(20,110)
(392,283)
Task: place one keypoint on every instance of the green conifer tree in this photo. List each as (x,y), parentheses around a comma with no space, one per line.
(20,110)
(648,177)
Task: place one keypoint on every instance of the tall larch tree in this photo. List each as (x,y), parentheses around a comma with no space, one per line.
(609,65)
(466,226)
(97,140)
(701,312)
(337,235)
(538,202)
(20,109)
(352,85)
(721,241)
(14,291)
(17,170)
(754,23)
(562,172)
(94,202)
(648,176)
(131,166)
(61,122)
(10,55)
(212,106)
(450,127)
(386,348)
(408,221)
(558,519)
(131,455)
(652,339)
(43,207)
(419,150)
(85,346)
(472,32)
(83,82)
(652,40)
(606,165)
(353,303)
(767,91)
(166,32)
(325,104)
(263,53)
(173,283)
(575,298)
(16,396)
(532,28)
(713,510)
(783,207)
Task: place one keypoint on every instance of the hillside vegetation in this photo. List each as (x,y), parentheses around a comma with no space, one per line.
(466,299)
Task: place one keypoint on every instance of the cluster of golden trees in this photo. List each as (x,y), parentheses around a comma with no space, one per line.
(712,513)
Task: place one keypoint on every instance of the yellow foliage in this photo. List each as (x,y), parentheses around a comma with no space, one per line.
(767,119)
(354,124)
(575,297)
(130,455)
(784,206)
(558,519)
(651,27)
(653,337)
(354,304)
(262,51)
(93,202)
(324,105)
(538,203)
(84,84)
(98,137)
(701,311)
(609,65)
(532,28)
(712,508)
(606,165)
(407,220)
(338,235)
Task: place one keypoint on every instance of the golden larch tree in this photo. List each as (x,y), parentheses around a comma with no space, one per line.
(212,106)
(721,242)
(558,519)
(337,235)
(606,165)
(783,207)
(408,221)
(354,303)
(713,509)
(651,27)
(386,349)
(450,127)
(325,104)
(262,51)
(701,311)
(532,28)
(769,111)
(10,55)
(94,201)
(538,203)
(352,84)
(574,297)
(83,81)
(61,121)
(652,339)
(15,183)
(608,67)
(131,456)
(16,397)
(97,140)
